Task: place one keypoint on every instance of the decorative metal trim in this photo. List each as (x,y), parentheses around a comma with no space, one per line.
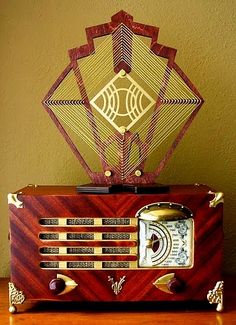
(161,283)
(16,297)
(134,93)
(215,296)
(51,222)
(69,284)
(219,198)
(138,173)
(116,286)
(164,211)
(12,199)
(108,173)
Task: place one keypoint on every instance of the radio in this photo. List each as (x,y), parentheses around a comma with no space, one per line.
(123,237)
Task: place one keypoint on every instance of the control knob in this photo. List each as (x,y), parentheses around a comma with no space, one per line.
(57,286)
(175,285)
(61,284)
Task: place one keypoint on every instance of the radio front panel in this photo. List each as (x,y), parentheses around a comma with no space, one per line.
(115,246)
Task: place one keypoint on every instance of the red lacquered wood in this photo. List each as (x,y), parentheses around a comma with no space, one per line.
(122,313)
(91,257)
(94,285)
(89,229)
(92,243)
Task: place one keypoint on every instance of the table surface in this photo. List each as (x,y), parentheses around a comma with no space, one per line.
(127,313)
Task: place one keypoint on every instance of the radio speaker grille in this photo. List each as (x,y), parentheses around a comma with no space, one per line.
(93,243)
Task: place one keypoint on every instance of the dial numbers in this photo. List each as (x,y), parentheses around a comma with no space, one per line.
(166,244)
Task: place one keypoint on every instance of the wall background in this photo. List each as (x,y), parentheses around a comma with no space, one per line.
(34,39)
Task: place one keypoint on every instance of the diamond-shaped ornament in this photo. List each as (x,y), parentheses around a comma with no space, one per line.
(122,106)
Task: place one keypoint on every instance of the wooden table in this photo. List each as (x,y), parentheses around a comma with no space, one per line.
(71,313)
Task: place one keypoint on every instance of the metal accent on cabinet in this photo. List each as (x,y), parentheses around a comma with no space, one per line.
(69,284)
(116,286)
(164,211)
(12,199)
(68,222)
(219,198)
(161,283)
(119,248)
(96,265)
(16,297)
(215,296)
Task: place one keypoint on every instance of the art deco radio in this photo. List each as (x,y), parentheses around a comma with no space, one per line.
(124,101)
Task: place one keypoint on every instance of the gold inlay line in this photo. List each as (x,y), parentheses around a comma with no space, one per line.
(63,222)
(96,251)
(90,265)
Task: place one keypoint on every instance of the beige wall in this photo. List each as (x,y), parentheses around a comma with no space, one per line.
(34,38)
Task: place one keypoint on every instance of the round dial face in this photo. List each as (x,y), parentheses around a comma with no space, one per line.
(164,244)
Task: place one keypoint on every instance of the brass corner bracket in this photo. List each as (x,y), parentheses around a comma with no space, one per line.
(12,199)
(219,198)
(215,296)
(16,297)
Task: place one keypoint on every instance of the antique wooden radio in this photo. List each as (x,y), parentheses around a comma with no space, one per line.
(122,237)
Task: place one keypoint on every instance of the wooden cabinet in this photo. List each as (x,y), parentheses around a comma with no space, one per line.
(85,247)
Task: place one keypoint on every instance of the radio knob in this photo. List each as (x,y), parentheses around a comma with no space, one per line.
(56,286)
(175,285)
